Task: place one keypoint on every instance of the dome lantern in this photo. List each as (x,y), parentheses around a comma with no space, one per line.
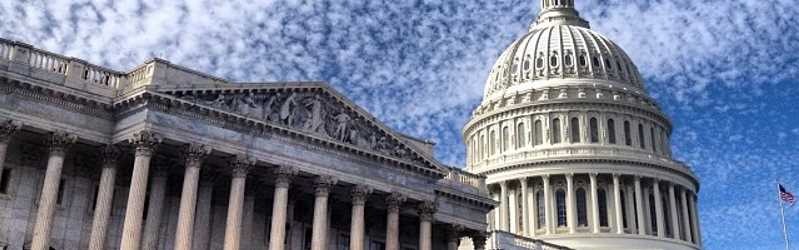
(558,12)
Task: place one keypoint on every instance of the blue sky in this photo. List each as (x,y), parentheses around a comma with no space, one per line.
(726,71)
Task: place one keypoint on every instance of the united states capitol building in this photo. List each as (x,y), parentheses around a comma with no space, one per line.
(566,151)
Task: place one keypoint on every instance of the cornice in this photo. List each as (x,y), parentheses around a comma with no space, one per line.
(56,97)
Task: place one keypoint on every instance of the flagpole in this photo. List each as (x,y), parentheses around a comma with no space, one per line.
(782,215)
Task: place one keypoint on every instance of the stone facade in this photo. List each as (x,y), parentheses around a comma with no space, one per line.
(575,151)
(164,157)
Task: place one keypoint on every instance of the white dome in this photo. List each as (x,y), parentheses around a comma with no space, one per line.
(560,45)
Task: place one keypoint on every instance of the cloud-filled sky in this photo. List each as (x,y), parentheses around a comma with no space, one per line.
(726,71)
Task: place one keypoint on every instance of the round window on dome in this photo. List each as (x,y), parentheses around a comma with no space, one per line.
(596,61)
(608,64)
(526,65)
(553,61)
(582,60)
(515,68)
(568,60)
(539,63)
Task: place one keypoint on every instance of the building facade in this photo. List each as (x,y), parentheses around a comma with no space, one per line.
(164,157)
(575,151)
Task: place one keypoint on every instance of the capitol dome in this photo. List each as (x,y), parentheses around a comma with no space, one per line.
(574,149)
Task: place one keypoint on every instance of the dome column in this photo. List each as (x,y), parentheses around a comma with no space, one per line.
(513,211)
(686,219)
(503,206)
(526,208)
(618,204)
(548,213)
(571,202)
(594,204)
(695,221)
(675,221)
(639,204)
(659,209)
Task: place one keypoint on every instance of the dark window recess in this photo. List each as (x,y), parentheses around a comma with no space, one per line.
(5,181)
(60,197)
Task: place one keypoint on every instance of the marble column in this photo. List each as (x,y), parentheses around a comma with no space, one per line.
(357,223)
(504,213)
(525,208)
(426,212)
(479,242)
(617,204)
(7,130)
(594,203)
(202,222)
(283,177)
(571,204)
(695,220)
(194,154)
(322,186)
(105,197)
(548,213)
(513,211)
(393,202)
(659,209)
(675,219)
(240,165)
(639,205)
(454,237)
(532,215)
(59,143)
(146,143)
(686,219)
(152,224)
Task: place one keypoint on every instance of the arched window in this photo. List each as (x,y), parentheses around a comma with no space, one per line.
(481,148)
(594,130)
(652,139)
(537,134)
(641,136)
(602,200)
(492,143)
(539,202)
(575,130)
(582,208)
(555,130)
(653,214)
(664,141)
(623,208)
(611,131)
(505,139)
(520,133)
(560,201)
(627,137)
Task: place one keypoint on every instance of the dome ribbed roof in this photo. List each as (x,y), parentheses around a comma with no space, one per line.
(559,50)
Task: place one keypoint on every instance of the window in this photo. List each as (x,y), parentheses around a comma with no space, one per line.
(602,200)
(505,139)
(492,142)
(627,138)
(582,61)
(663,140)
(575,130)
(539,202)
(526,65)
(481,150)
(520,133)
(652,139)
(60,197)
(623,208)
(556,130)
(560,201)
(537,135)
(611,131)
(5,181)
(594,128)
(653,214)
(568,60)
(582,209)
(641,136)
(553,61)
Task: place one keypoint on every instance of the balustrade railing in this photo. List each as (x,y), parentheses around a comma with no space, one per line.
(460,176)
(44,60)
(5,50)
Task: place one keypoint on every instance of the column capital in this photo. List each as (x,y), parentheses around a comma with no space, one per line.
(616,175)
(241,165)
(109,154)
(195,153)
(394,201)
(479,240)
(593,174)
(283,176)
(60,141)
(503,184)
(145,142)
(426,210)
(545,177)
(8,128)
(323,183)
(569,175)
(360,194)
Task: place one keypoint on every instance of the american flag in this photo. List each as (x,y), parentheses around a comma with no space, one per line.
(786,196)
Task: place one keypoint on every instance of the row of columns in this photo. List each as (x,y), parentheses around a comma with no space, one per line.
(507,218)
(146,143)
